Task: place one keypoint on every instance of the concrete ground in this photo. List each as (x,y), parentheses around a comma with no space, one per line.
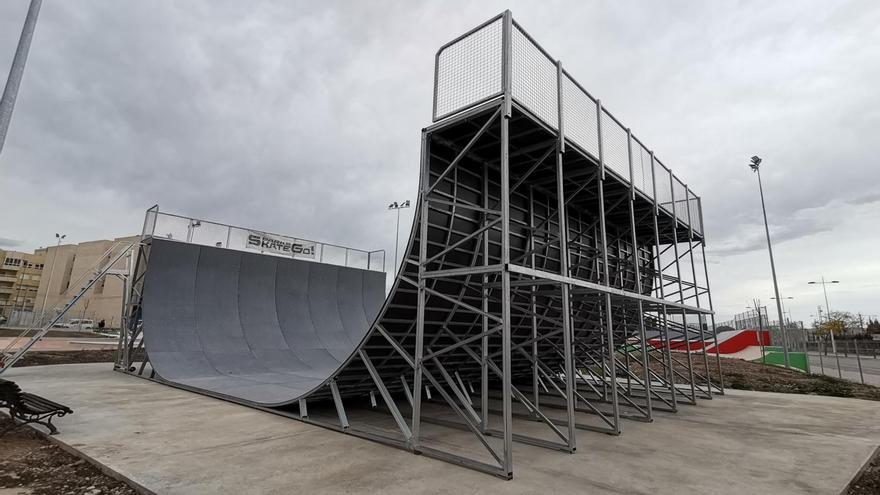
(173,441)
(849,367)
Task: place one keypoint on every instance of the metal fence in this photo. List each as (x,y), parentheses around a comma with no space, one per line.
(206,233)
(469,71)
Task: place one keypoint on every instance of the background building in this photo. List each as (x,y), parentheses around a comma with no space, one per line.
(20,276)
(56,274)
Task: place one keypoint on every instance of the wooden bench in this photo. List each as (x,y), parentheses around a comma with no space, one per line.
(29,408)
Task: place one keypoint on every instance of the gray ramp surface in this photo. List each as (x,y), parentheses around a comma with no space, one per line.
(255,328)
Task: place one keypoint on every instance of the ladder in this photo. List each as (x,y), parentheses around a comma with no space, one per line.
(9,356)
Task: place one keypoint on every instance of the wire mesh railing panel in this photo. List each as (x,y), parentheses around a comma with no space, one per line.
(681,199)
(614,146)
(150,221)
(534,79)
(579,117)
(468,71)
(663,186)
(205,233)
(695,212)
(170,227)
(642,169)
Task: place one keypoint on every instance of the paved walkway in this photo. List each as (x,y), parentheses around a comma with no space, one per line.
(172,441)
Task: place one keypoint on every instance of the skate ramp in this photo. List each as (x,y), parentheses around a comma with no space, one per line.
(255,328)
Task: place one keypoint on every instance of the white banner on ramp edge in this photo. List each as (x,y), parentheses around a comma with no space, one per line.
(296,248)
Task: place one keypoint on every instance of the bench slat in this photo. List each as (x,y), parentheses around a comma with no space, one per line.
(36,402)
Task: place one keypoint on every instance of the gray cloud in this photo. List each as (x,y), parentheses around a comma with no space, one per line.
(10,243)
(800,223)
(304,117)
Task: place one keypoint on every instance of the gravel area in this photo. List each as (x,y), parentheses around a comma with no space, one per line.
(40,358)
(869,482)
(30,464)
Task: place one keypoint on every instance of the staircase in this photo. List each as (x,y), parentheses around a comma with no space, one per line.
(13,352)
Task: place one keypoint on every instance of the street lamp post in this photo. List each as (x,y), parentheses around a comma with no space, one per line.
(757,305)
(59,238)
(397,206)
(828,318)
(191,228)
(784,312)
(755,165)
(10,91)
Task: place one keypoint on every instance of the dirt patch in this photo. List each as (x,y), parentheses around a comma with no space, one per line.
(31,464)
(746,375)
(40,358)
(869,482)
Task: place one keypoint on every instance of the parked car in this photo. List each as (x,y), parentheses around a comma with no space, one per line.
(80,324)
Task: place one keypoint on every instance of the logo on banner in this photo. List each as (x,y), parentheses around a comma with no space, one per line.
(291,247)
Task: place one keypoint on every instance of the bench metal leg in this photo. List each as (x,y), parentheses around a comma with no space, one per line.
(45,420)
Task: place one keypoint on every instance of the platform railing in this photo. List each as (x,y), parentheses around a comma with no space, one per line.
(206,233)
(468,72)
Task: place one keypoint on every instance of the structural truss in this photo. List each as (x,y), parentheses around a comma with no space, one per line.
(549,246)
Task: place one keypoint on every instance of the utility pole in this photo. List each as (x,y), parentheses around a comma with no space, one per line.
(756,167)
(856,344)
(10,92)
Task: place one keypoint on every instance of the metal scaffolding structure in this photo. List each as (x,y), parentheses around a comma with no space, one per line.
(549,246)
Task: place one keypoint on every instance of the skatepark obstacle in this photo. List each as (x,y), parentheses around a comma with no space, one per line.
(548,244)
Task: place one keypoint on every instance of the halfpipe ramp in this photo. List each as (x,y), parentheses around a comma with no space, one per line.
(260,329)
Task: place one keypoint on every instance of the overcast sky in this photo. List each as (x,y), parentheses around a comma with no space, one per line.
(304,118)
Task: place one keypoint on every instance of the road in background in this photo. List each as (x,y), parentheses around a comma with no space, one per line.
(849,367)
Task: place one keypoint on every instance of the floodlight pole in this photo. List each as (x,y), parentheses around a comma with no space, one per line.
(397,206)
(755,165)
(10,92)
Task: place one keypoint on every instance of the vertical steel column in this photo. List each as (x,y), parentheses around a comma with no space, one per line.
(420,309)
(638,276)
(507,406)
(667,347)
(687,341)
(484,352)
(697,290)
(609,328)
(568,336)
(536,392)
(709,297)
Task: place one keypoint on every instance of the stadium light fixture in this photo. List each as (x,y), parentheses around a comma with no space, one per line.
(397,206)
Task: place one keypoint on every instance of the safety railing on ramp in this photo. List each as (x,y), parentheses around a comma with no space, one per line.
(468,72)
(206,233)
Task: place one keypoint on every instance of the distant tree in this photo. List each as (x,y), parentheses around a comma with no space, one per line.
(873,326)
(724,328)
(838,322)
